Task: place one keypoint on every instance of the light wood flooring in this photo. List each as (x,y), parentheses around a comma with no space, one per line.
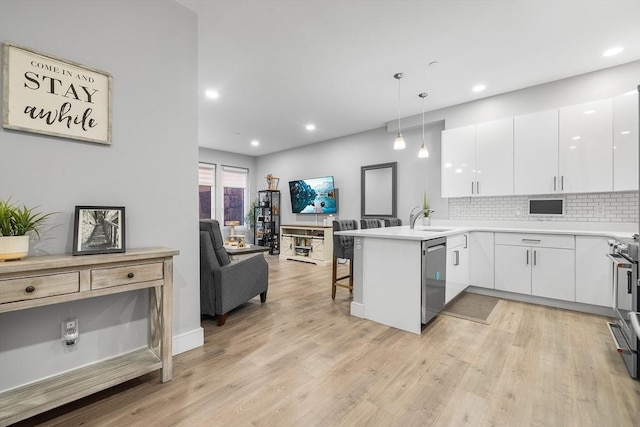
(300,359)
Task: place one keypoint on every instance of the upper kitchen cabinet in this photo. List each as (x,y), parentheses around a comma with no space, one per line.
(586,147)
(625,142)
(494,158)
(478,160)
(535,153)
(458,161)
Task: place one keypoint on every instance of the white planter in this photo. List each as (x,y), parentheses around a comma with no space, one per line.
(13,247)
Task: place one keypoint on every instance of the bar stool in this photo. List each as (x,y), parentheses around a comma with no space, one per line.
(342,248)
(392,222)
(370,223)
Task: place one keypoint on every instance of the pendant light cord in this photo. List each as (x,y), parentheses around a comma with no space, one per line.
(398,76)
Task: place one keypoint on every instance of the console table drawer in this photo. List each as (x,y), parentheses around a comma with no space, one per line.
(118,276)
(27,288)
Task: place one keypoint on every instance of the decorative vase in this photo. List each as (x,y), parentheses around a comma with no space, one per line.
(426,221)
(13,247)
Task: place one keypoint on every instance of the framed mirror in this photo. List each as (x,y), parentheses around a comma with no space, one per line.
(378,190)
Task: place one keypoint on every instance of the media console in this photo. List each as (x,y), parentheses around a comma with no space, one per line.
(307,243)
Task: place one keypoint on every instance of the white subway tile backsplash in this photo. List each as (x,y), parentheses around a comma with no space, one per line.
(597,207)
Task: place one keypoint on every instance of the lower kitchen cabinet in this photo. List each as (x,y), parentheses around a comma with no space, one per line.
(513,269)
(553,273)
(457,266)
(594,275)
(540,265)
(481,256)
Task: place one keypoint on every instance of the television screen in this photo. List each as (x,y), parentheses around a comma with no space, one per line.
(313,196)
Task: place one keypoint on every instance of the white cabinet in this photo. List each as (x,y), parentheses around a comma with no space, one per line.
(513,269)
(458,161)
(625,142)
(481,259)
(478,159)
(307,243)
(494,158)
(553,273)
(286,245)
(594,284)
(535,153)
(318,248)
(586,147)
(457,266)
(536,264)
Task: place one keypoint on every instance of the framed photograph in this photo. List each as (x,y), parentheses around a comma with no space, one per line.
(54,96)
(98,230)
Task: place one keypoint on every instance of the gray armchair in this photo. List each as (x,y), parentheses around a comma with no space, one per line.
(226,284)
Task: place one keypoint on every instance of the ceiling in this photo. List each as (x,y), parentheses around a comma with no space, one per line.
(280,65)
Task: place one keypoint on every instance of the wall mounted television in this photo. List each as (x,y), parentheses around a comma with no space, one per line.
(313,196)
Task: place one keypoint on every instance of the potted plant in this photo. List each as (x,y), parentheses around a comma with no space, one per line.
(16,224)
(425,210)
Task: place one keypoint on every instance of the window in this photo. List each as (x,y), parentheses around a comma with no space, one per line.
(207,194)
(234,185)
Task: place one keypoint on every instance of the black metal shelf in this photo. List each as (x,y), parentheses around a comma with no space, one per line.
(267,220)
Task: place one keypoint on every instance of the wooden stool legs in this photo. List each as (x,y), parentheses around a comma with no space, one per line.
(335,279)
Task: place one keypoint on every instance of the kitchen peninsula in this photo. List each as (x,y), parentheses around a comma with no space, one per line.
(570,271)
(388,274)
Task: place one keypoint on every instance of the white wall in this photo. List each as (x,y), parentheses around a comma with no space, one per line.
(343,158)
(150,48)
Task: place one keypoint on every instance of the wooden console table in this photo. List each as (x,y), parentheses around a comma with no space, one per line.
(52,279)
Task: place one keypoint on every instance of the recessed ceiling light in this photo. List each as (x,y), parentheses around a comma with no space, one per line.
(625,132)
(310,126)
(212,94)
(590,111)
(613,51)
(576,137)
(478,88)
(255,143)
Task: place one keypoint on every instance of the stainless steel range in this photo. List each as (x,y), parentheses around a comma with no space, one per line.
(626,294)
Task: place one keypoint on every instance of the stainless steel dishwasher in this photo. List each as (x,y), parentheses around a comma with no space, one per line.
(434,264)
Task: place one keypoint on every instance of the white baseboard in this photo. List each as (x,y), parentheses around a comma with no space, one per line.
(188,341)
(357,309)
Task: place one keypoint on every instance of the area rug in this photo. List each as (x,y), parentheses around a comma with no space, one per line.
(474,307)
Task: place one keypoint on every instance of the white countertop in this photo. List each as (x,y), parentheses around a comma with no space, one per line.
(435,231)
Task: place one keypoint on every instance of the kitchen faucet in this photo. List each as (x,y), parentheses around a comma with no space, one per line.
(413,216)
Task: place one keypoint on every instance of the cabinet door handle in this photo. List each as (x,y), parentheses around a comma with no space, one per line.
(466,241)
(477,187)
(130,275)
(555,179)
(30,289)
(456,258)
(531,240)
(562,183)
(527,256)
(472,188)
(535,258)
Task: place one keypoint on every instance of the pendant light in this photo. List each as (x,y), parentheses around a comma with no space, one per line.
(399,142)
(423,152)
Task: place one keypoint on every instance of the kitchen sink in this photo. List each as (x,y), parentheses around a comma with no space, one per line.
(432,229)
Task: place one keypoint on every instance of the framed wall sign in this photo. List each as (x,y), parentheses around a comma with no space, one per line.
(98,230)
(54,96)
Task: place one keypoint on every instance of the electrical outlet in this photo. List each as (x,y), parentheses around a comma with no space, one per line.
(600,211)
(70,332)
